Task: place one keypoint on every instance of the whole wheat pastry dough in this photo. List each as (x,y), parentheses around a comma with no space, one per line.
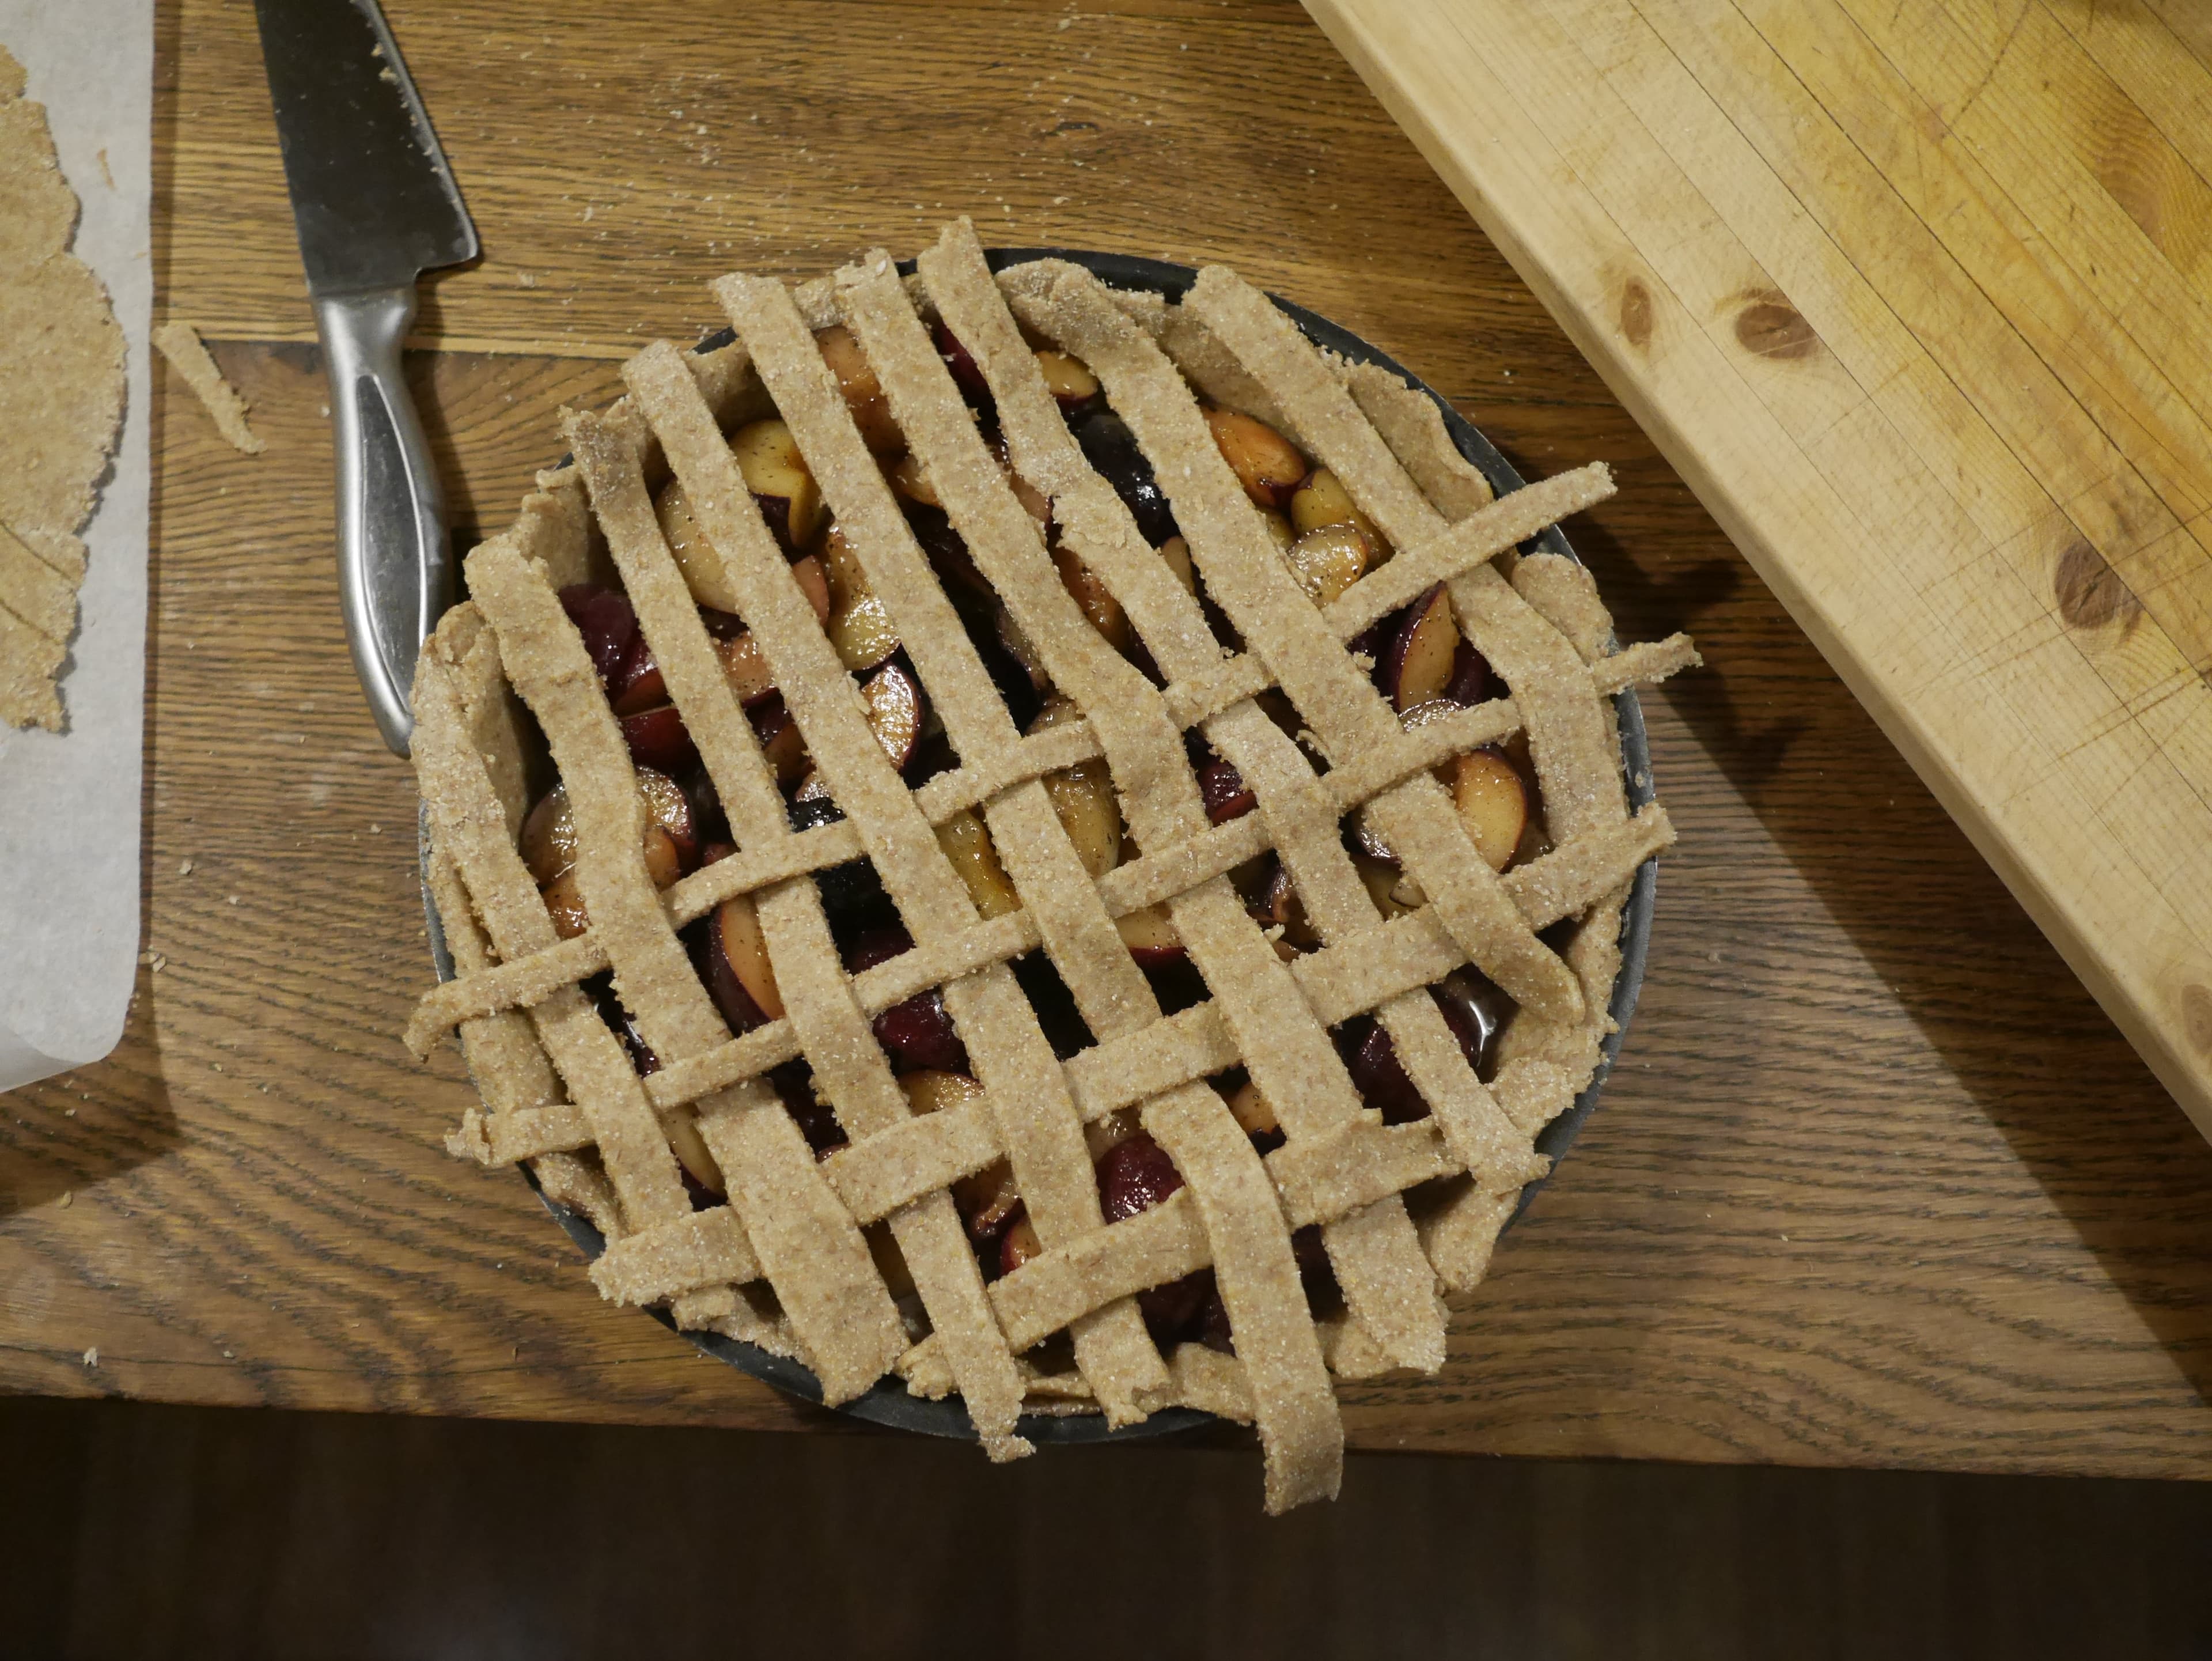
(180,343)
(792,1247)
(61,404)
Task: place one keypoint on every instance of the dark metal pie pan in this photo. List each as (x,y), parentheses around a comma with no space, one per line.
(888,1402)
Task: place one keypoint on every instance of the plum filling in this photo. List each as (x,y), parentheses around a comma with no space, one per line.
(1474,1010)
(917,1034)
(1420,662)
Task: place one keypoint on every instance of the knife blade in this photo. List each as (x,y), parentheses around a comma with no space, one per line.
(375,205)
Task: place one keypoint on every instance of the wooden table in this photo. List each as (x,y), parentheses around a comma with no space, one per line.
(1875,1183)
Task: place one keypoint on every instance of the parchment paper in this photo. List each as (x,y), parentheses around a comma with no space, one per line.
(68,801)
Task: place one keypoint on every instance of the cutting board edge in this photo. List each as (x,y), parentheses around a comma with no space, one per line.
(2160,1036)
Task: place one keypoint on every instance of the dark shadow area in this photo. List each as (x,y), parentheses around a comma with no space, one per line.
(1646,606)
(472,403)
(67,1133)
(465,515)
(2076,1105)
(150,1532)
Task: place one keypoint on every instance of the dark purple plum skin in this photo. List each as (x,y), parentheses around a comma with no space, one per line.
(1109,446)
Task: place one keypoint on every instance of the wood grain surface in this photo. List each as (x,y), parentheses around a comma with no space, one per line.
(1916,296)
(1875,1183)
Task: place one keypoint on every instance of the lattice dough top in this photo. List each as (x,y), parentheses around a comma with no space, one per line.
(1040,840)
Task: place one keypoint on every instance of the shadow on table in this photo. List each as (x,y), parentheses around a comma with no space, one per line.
(69,1133)
(2076,1105)
(491,418)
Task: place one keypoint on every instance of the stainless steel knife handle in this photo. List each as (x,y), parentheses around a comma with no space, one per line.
(395,573)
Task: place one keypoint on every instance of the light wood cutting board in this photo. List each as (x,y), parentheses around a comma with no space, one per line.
(1918,299)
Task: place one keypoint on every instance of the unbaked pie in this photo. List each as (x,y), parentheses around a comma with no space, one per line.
(1005,832)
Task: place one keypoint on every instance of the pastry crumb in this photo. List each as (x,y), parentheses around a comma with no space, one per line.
(181,345)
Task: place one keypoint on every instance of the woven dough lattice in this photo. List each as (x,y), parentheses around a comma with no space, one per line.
(781,1257)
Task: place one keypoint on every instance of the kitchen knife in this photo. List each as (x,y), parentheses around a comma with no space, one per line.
(375,206)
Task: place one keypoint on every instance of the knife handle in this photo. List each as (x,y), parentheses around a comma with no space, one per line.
(395,571)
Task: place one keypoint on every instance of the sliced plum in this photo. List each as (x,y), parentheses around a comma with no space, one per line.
(1111,448)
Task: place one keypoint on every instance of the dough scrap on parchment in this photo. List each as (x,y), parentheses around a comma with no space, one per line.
(61,405)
